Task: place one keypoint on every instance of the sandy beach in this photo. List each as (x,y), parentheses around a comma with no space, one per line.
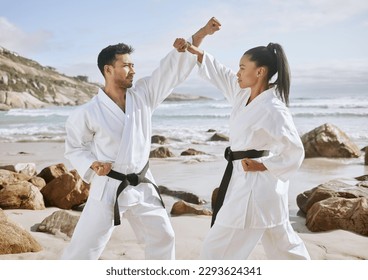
(199,175)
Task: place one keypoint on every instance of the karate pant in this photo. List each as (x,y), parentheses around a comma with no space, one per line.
(149,221)
(280,242)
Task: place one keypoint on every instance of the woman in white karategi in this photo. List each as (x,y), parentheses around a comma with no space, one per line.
(113,132)
(255,207)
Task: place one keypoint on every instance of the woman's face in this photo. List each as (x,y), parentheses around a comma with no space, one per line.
(248,72)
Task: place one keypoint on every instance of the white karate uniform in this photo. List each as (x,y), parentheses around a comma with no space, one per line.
(256,203)
(100,131)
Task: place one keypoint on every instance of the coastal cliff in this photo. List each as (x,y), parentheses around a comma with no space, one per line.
(24,83)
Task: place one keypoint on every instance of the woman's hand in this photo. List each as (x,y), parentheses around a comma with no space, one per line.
(252,165)
(181,44)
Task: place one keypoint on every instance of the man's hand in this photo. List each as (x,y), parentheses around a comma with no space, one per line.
(182,45)
(101,168)
(211,27)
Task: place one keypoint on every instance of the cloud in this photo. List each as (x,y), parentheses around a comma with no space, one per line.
(15,39)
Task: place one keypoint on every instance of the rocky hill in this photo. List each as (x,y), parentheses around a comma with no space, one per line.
(24,83)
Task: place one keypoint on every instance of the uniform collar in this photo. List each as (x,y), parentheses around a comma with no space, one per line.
(105,99)
(264,95)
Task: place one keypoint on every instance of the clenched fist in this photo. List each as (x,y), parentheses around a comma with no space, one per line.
(101,168)
(212,26)
(181,44)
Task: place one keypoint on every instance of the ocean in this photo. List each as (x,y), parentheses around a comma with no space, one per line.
(188,121)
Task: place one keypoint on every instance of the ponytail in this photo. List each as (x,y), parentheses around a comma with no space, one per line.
(274,58)
(283,72)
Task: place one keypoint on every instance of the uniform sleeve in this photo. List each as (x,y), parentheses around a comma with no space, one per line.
(78,144)
(287,147)
(220,76)
(172,71)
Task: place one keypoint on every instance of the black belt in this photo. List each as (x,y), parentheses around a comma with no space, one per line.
(230,156)
(132,179)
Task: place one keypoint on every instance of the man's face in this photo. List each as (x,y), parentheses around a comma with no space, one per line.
(122,71)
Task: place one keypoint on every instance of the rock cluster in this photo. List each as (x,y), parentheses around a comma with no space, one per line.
(53,186)
(164,152)
(336,205)
(21,188)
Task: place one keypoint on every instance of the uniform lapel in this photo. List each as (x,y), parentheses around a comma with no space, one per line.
(126,138)
(111,105)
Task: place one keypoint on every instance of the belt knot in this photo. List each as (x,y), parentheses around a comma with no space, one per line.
(133,179)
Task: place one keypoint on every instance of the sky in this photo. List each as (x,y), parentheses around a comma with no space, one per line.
(326,41)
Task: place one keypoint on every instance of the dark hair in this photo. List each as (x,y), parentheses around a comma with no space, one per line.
(274,58)
(108,55)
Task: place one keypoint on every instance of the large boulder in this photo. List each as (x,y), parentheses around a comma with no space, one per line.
(339,213)
(66,191)
(21,195)
(60,223)
(336,205)
(333,188)
(7,176)
(329,141)
(14,239)
(51,172)
(18,191)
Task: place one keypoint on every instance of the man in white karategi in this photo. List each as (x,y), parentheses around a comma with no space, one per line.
(113,132)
